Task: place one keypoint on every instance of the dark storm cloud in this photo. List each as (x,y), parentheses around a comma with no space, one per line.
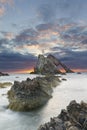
(15,61)
(84,42)
(76,59)
(73,59)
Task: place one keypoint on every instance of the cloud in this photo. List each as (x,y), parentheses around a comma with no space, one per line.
(14,25)
(84,42)
(6,2)
(48,35)
(75,37)
(3,42)
(46,12)
(8,35)
(3,7)
(56,31)
(43,37)
(6,45)
(43,27)
(50,10)
(75,60)
(67,42)
(26,36)
(2,10)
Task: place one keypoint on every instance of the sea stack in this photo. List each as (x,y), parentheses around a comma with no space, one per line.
(50,65)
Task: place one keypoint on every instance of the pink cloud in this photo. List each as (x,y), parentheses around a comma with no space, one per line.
(9,35)
(3,4)
(6,1)
(2,11)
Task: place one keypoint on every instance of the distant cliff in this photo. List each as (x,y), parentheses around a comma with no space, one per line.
(49,65)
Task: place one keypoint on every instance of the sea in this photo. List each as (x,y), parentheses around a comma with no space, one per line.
(74,88)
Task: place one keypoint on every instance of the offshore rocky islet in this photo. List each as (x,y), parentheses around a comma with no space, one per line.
(50,65)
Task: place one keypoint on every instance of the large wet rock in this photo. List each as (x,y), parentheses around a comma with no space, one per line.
(50,65)
(30,94)
(74,118)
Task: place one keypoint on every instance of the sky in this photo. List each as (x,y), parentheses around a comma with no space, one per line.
(32,27)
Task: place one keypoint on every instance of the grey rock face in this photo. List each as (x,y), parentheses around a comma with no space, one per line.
(49,65)
(30,94)
(74,118)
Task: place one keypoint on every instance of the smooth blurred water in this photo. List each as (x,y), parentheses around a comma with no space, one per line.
(75,88)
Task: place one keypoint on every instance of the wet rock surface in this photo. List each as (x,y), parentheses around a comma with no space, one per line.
(30,94)
(73,118)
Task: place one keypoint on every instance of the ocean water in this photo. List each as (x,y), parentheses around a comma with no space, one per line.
(75,88)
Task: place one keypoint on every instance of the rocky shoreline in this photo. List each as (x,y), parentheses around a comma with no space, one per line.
(73,118)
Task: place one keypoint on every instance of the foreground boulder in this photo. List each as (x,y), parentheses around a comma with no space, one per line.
(74,118)
(3,74)
(30,94)
(50,65)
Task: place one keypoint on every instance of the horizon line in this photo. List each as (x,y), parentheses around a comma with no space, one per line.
(32,70)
